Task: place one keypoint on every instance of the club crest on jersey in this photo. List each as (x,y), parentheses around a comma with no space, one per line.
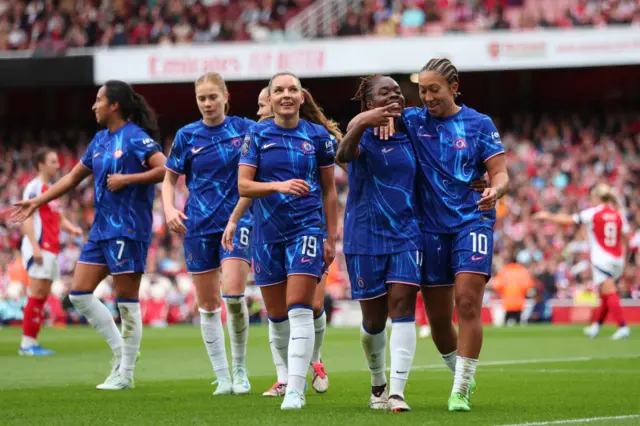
(190,257)
(236,143)
(258,269)
(361,283)
(117,153)
(307,147)
(459,144)
(245,144)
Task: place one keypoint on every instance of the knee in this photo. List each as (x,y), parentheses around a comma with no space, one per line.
(468,306)
(402,302)
(210,303)
(374,325)
(318,307)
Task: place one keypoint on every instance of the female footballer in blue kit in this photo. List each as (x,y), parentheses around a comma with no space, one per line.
(287,165)
(382,238)
(207,152)
(320,378)
(455,145)
(125,162)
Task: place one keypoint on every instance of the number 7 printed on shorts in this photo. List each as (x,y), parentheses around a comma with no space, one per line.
(121,244)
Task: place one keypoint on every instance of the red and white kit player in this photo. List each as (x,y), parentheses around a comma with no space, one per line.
(40,248)
(608,237)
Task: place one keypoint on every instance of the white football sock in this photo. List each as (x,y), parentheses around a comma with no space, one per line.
(213,336)
(28,342)
(279,343)
(450,360)
(131,325)
(238,327)
(465,370)
(320,326)
(300,346)
(100,318)
(375,348)
(402,348)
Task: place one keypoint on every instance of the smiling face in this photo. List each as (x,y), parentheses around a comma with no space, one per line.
(385,91)
(437,94)
(285,96)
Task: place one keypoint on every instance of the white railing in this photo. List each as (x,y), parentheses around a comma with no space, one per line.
(316,20)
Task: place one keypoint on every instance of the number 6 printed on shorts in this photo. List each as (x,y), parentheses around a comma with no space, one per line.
(244,237)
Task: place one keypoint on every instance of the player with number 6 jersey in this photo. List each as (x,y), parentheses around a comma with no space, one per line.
(608,232)
(125,162)
(207,153)
(287,165)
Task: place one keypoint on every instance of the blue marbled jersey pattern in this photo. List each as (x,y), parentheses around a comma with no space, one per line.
(451,153)
(280,154)
(381,212)
(208,157)
(128,212)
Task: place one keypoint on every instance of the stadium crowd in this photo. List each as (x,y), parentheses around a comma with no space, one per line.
(553,162)
(46,26)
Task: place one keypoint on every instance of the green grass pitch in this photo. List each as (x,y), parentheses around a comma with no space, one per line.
(535,374)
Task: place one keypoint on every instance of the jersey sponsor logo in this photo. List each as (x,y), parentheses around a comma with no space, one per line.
(386,150)
(459,144)
(197,150)
(269,145)
(307,147)
(236,143)
(117,153)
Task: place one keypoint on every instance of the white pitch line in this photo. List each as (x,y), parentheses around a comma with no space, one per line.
(558,370)
(568,421)
(529,361)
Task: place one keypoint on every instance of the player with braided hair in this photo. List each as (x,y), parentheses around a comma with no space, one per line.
(382,240)
(455,145)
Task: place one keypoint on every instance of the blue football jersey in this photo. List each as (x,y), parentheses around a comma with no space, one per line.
(208,157)
(381,214)
(128,212)
(280,154)
(451,153)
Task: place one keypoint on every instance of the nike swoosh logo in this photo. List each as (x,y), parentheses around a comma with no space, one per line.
(241,331)
(401,372)
(306,260)
(284,347)
(386,151)
(298,338)
(269,145)
(96,154)
(197,150)
(213,341)
(475,258)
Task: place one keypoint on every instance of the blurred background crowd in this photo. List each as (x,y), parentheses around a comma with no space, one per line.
(55,25)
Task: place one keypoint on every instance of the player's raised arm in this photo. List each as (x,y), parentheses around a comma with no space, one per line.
(557,218)
(25,208)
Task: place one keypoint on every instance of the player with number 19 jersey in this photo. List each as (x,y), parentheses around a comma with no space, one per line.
(288,229)
(121,231)
(451,153)
(208,156)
